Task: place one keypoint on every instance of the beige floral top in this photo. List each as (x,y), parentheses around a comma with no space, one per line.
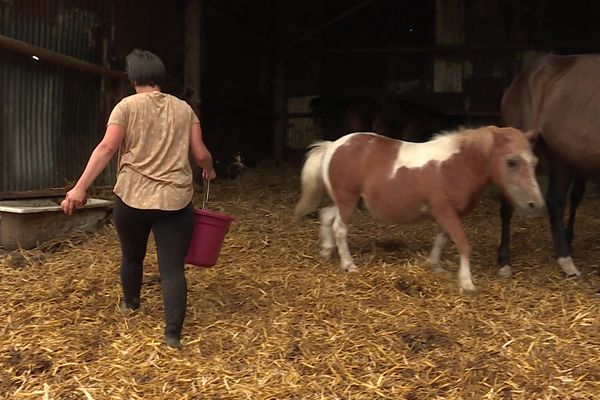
(154,168)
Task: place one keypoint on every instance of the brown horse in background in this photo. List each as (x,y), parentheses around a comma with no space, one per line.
(558,96)
(404,182)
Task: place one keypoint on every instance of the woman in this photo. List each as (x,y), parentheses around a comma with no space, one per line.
(154,132)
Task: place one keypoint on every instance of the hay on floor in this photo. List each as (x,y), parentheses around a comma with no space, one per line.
(273,321)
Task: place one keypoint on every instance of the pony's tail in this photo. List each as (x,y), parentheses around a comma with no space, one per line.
(312,183)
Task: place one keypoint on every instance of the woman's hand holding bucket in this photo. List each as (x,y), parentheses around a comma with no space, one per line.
(209,175)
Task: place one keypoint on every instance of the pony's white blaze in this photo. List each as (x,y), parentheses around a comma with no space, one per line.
(416,155)
(331,151)
(528,157)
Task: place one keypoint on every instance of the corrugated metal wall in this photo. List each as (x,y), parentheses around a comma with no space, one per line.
(50,116)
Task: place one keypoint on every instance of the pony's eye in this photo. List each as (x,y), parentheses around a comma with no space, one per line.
(511,162)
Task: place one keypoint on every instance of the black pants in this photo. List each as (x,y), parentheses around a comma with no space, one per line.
(172,232)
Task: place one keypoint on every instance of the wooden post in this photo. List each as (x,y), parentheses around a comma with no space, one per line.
(192,66)
(449,22)
(192,72)
(280,106)
(448,73)
(333,21)
(279,82)
(108,87)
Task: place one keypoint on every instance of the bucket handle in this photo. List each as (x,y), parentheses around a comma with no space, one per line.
(207,192)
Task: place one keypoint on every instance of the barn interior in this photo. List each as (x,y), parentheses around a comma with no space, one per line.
(267,78)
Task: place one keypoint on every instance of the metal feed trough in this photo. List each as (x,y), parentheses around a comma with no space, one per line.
(27,223)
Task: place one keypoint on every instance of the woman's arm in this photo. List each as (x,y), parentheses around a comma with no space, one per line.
(201,154)
(99,159)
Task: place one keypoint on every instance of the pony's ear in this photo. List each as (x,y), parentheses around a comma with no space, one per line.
(532,135)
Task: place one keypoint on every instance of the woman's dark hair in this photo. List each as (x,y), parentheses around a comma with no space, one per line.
(145,68)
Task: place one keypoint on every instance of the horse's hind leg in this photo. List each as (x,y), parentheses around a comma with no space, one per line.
(577,192)
(560,181)
(327,216)
(438,245)
(340,232)
(506,213)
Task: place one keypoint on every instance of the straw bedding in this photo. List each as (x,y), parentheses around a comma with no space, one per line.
(273,321)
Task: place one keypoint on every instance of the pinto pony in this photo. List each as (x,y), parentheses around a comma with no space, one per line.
(404,182)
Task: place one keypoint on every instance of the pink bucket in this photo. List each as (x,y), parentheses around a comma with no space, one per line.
(209,232)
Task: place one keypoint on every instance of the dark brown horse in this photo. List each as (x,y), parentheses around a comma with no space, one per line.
(559,96)
(404,182)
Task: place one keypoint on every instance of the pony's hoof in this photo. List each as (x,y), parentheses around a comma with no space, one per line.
(436,269)
(467,287)
(351,268)
(326,253)
(505,272)
(566,263)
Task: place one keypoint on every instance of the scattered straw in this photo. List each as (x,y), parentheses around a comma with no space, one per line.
(273,321)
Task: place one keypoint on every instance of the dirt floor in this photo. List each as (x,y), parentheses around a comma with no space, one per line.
(273,321)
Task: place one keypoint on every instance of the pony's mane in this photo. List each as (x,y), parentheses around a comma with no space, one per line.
(461,129)
(472,136)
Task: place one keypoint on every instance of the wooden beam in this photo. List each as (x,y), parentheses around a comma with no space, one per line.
(192,64)
(58,59)
(248,33)
(582,45)
(332,21)
(280,108)
(280,82)
(537,13)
